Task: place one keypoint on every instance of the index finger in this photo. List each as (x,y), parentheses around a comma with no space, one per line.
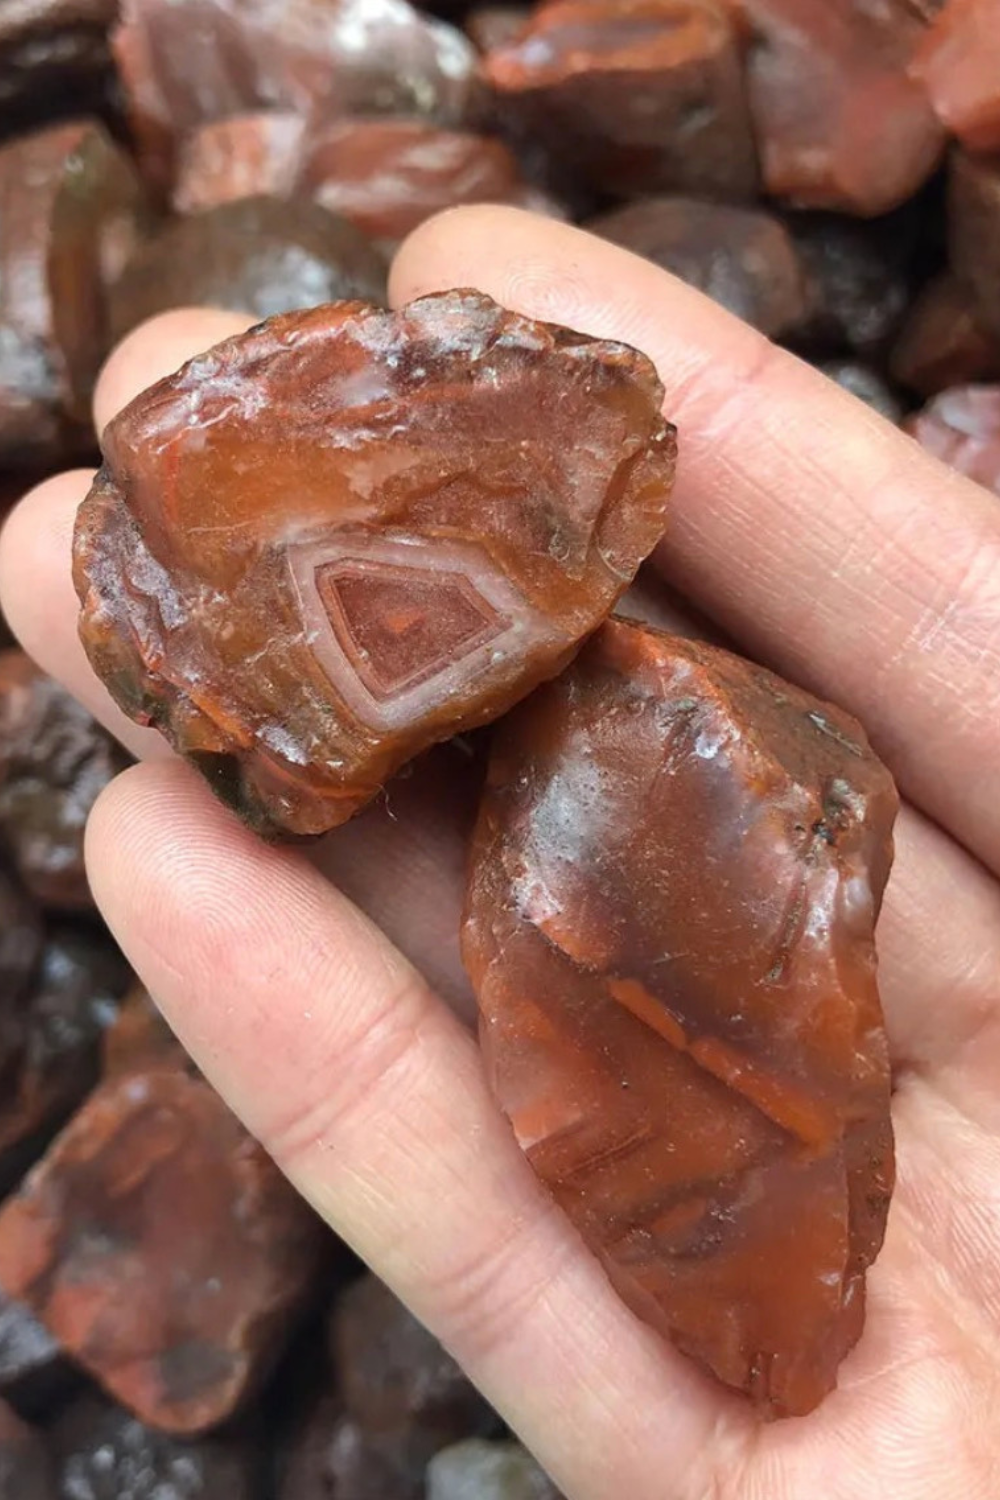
(822,538)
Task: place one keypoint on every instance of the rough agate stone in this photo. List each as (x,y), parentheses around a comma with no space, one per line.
(741,257)
(249,156)
(151,1175)
(70,212)
(186,62)
(840,122)
(634,96)
(54,58)
(959,62)
(943,341)
(256,255)
(25,1469)
(55,760)
(857,283)
(674,884)
(974,230)
(348,534)
(962,427)
(139,1039)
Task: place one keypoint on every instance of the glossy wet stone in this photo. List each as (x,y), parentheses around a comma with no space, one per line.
(743,258)
(959,62)
(70,212)
(974,230)
(632,96)
(333,541)
(943,341)
(25,1470)
(186,62)
(674,883)
(840,122)
(52,1056)
(55,760)
(250,156)
(388,176)
(104,1453)
(256,255)
(857,283)
(34,1372)
(153,1174)
(962,427)
(867,384)
(477,1470)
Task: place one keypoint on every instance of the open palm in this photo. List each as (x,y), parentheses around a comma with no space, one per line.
(827,546)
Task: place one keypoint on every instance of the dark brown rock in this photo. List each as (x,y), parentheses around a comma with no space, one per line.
(632,96)
(867,384)
(70,212)
(54,59)
(349,534)
(857,284)
(962,427)
(388,176)
(743,258)
(677,855)
(20,946)
(959,62)
(104,1453)
(34,1372)
(840,122)
(257,255)
(25,1470)
(477,1470)
(491,26)
(974,231)
(186,62)
(334,1458)
(248,156)
(943,341)
(55,760)
(151,1175)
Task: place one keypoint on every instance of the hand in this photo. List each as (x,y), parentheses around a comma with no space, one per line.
(828,546)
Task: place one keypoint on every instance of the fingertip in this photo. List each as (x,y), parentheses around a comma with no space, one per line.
(157,348)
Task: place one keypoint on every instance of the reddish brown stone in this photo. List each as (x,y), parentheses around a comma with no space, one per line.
(943,342)
(840,122)
(25,1470)
(743,258)
(959,62)
(103,1453)
(634,96)
(187,62)
(491,26)
(388,176)
(249,156)
(962,427)
(974,231)
(333,541)
(70,211)
(257,255)
(674,885)
(55,760)
(154,1174)
(139,1039)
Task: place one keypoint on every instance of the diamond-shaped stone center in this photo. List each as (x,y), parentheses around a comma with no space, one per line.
(400,626)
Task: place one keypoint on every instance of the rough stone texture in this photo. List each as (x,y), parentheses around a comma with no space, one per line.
(491,26)
(387,176)
(840,122)
(959,63)
(333,541)
(139,1039)
(103,1453)
(962,427)
(867,384)
(943,341)
(55,760)
(974,230)
(54,58)
(334,1458)
(163,1249)
(25,1470)
(857,286)
(70,212)
(51,1060)
(743,258)
(477,1470)
(633,96)
(186,62)
(257,255)
(674,884)
(34,1373)
(248,156)
(20,946)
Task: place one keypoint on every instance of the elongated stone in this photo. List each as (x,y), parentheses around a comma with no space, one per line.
(348,534)
(674,884)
